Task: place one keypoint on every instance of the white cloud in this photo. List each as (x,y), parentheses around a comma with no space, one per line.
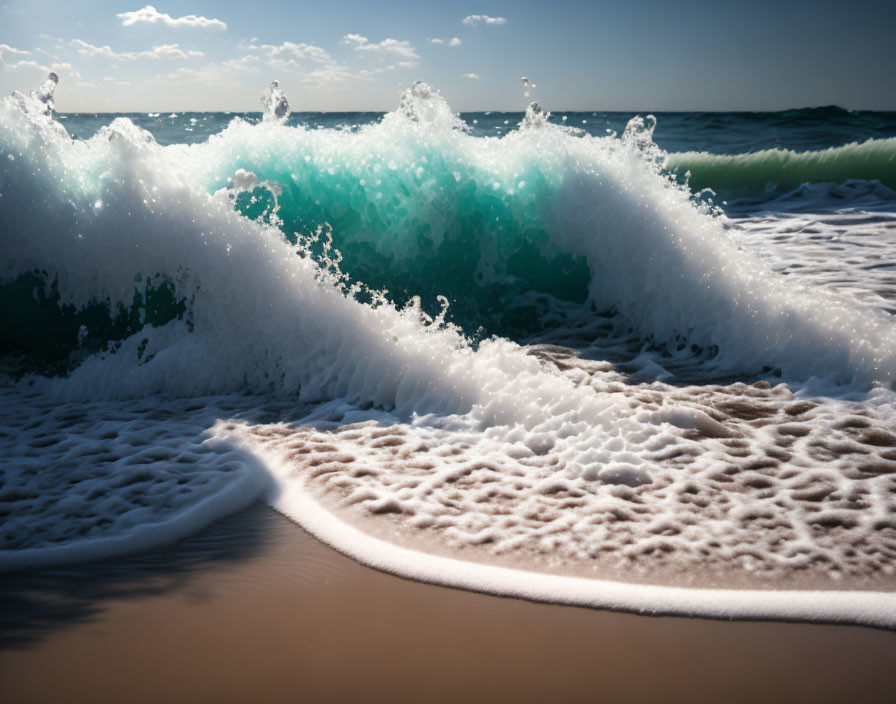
(151,15)
(221,74)
(86,49)
(287,51)
(306,59)
(30,64)
(208,75)
(250,62)
(474,76)
(334,76)
(454,41)
(7,49)
(162,51)
(64,69)
(305,64)
(473,20)
(309,65)
(170,52)
(387,46)
(27,63)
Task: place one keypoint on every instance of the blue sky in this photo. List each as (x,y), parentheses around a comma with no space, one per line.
(358,55)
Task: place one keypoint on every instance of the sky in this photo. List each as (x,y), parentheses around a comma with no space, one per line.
(654,55)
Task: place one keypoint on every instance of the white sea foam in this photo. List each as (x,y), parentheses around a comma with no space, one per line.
(530,455)
(88,481)
(866,608)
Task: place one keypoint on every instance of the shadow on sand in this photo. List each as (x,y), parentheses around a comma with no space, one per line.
(35,602)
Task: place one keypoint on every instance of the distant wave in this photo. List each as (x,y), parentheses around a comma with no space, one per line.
(822,113)
(871,160)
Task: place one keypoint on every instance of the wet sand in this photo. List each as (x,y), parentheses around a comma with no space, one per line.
(255,609)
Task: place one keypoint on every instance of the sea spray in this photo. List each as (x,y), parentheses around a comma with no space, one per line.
(418,207)
(275,104)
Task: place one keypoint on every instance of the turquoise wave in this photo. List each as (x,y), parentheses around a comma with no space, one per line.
(245,250)
(415,219)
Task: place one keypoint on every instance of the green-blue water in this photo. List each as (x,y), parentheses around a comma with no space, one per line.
(428,228)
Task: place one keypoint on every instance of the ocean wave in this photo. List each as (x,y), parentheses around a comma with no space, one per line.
(781,169)
(412,207)
(275,246)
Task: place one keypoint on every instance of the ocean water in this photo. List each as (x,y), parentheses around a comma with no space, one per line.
(636,361)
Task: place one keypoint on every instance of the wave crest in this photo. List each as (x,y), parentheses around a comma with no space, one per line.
(416,207)
(874,160)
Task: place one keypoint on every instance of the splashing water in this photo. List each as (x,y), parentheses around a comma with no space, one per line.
(44,93)
(306,354)
(528,85)
(276,106)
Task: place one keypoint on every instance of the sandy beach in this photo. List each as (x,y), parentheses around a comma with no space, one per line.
(255,608)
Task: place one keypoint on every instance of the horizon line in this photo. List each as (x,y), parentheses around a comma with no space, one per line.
(491,110)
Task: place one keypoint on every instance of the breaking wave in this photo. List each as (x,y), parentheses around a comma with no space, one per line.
(352,282)
(237,232)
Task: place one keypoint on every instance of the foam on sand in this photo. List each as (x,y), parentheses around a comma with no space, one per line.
(866,608)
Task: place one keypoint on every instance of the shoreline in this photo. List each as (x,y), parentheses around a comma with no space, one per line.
(255,606)
(387,529)
(876,609)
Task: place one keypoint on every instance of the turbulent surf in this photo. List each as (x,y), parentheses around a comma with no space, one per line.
(541,361)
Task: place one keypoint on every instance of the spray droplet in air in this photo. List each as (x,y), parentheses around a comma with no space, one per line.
(639,131)
(276,106)
(422,104)
(44,93)
(535,116)
(527,84)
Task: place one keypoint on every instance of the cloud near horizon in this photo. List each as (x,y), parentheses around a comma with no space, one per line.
(454,41)
(289,51)
(24,64)
(473,20)
(309,64)
(386,46)
(7,49)
(161,51)
(151,15)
